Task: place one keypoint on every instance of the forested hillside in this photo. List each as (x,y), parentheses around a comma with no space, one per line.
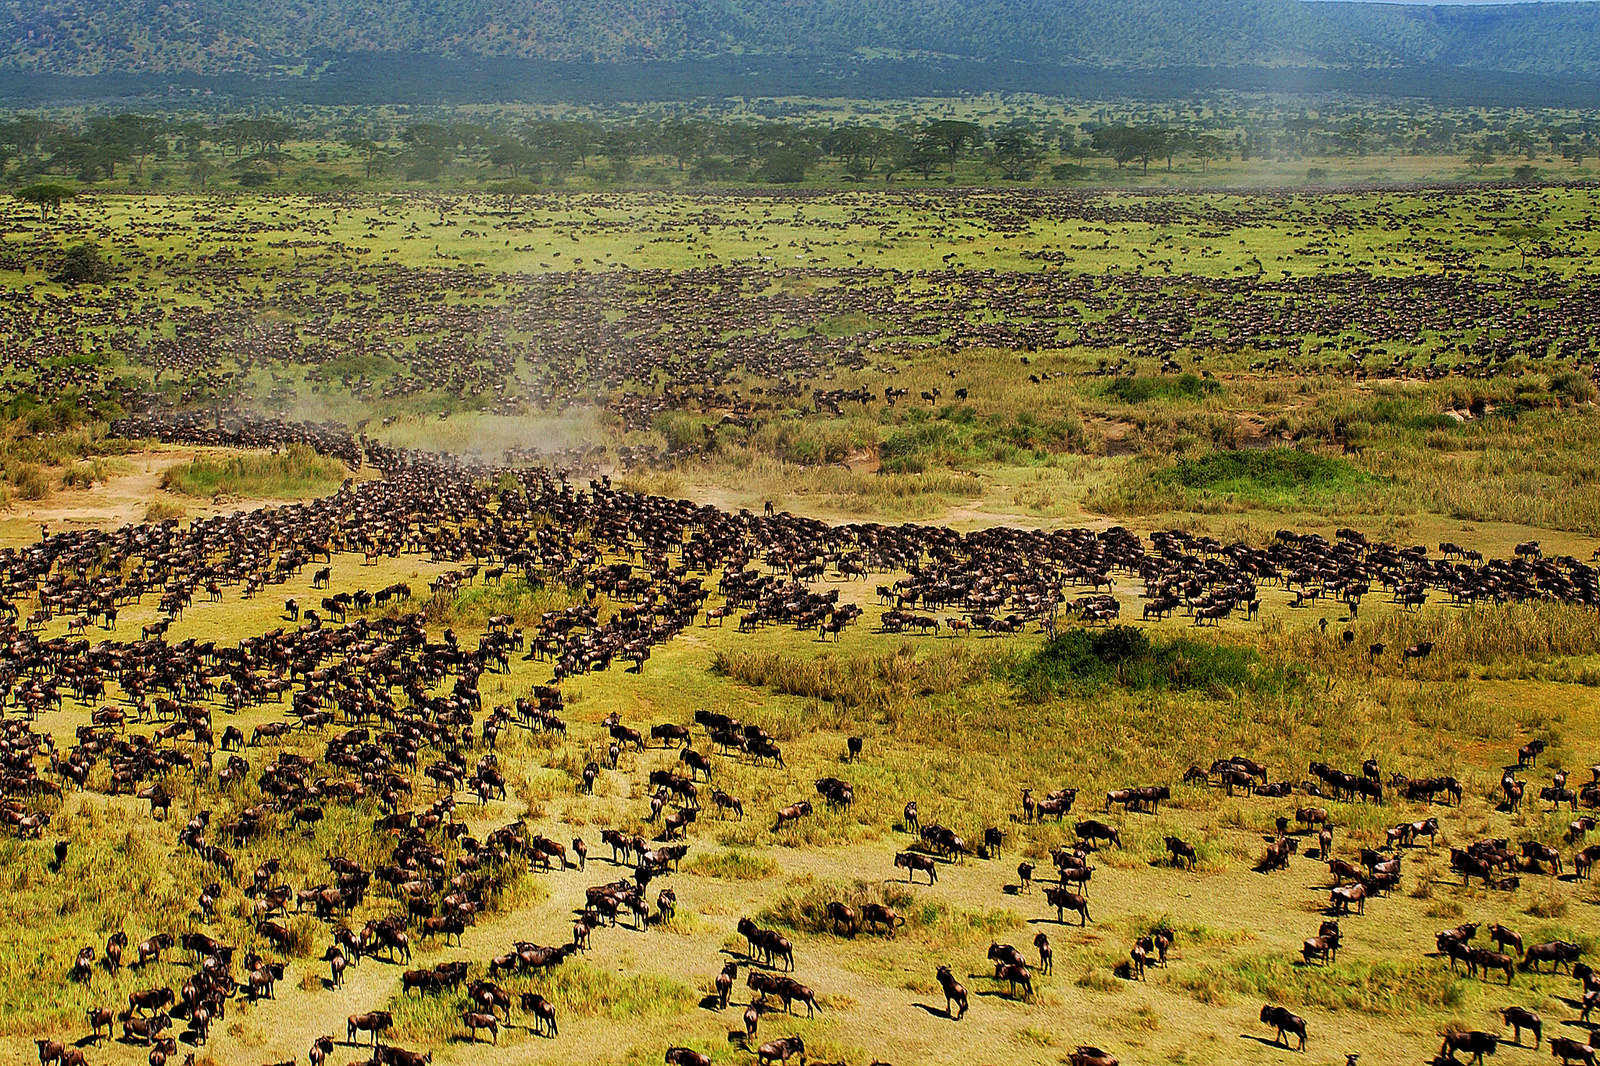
(81,37)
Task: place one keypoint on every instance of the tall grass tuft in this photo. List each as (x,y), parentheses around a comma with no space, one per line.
(870,683)
(298,471)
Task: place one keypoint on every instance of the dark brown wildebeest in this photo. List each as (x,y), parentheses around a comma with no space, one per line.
(911,862)
(1047,954)
(843,918)
(682,1056)
(1340,899)
(876,914)
(1281,1019)
(1520,1018)
(1091,1056)
(1568,1050)
(1094,832)
(150,950)
(1064,900)
(1476,1043)
(1503,937)
(543,1011)
(730,970)
(100,1016)
(792,813)
(781,1050)
(1016,974)
(954,993)
(1555,952)
(1181,851)
(1478,959)
(475,1021)
(374,1022)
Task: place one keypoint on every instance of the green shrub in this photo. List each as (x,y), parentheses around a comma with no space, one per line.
(1086,660)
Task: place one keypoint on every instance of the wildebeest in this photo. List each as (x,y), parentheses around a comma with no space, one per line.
(1064,900)
(374,1022)
(954,993)
(1567,1050)
(1520,1018)
(1475,1043)
(1281,1019)
(876,914)
(682,1056)
(911,862)
(781,1050)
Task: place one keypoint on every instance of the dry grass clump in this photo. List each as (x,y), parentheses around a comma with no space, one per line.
(869,683)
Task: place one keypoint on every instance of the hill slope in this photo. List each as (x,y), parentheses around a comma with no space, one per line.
(81,37)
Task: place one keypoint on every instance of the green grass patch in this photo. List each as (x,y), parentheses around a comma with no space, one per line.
(1369,987)
(1148,390)
(732,865)
(1263,474)
(474,605)
(295,472)
(1088,660)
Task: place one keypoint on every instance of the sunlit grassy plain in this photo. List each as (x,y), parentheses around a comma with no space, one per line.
(954,723)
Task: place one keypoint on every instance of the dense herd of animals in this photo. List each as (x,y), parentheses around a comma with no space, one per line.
(396,710)
(721,340)
(363,709)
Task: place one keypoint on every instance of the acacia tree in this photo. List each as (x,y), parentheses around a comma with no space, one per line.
(1524,237)
(950,136)
(46,195)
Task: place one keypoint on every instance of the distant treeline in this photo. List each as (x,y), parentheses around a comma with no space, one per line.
(255,150)
(365,79)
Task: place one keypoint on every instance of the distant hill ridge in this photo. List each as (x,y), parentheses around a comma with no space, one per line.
(218,37)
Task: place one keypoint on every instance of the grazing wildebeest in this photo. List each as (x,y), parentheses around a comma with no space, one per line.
(682,1056)
(1094,832)
(1091,1056)
(954,992)
(543,1011)
(843,918)
(781,1050)
(1567,1050)
(1283,1021)
(876,914)
(1475,1043)
(1555,952)
(475,1021)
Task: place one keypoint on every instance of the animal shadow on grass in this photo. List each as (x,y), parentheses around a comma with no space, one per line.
(1265,1041)
(713,1002)
(937,1012)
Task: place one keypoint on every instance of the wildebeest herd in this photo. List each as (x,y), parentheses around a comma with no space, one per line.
(388,706)
(333,785)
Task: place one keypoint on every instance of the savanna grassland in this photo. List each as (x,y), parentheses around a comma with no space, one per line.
(261,386)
